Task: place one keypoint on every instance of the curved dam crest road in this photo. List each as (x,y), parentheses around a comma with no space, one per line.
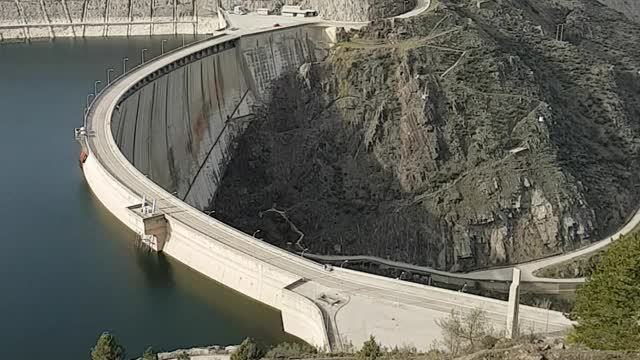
(321,307)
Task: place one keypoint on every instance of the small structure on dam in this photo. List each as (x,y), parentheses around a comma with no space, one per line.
(24,20)
(152,225)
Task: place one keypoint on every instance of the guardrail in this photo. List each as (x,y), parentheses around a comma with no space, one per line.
(116,80)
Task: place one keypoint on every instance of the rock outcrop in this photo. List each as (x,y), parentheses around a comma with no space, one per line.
(629,8)
(465,138)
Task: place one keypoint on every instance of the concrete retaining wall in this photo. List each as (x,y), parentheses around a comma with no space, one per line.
(22,20)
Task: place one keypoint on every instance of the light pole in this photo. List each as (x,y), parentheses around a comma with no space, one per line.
(109,71)
(143,51)
(182,40)
(89,100)
(162,46)
(124,65)
(95,87)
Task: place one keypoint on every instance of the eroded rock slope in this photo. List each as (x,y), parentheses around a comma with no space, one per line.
(464,138)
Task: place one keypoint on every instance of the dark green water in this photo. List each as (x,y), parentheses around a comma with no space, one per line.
(68,269)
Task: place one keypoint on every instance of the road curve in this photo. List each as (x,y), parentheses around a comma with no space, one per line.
(528,269)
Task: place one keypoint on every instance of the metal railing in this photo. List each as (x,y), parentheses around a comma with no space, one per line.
(96,95)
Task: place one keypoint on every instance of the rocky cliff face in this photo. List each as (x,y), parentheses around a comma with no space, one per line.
(465,138)
(630,8)
(342,10)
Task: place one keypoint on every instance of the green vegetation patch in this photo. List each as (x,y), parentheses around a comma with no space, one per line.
(608,306)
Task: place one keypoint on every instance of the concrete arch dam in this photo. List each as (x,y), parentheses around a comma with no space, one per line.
(24,20)
(165,132)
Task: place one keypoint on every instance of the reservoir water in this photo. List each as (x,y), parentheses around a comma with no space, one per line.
(68,269)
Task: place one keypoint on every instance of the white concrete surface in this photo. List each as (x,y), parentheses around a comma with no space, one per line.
(514,305)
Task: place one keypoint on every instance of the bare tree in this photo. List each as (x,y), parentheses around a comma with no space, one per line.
(462,333)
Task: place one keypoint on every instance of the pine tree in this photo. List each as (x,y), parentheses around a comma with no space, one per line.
(608,305)
(107,348)
(370,350)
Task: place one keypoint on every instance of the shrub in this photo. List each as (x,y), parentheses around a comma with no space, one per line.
(107,348)
(370,350)
(290,350)
(464,333)
(608,305)
(248,350)
(149,354)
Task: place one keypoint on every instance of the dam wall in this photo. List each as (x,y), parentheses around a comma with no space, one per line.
(177,126)
(25,20)
(179,129)
(234,269)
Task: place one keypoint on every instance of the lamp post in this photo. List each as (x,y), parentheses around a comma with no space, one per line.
(109,71)
(162,46)
(143,51)
(124,65)
(89,100)
(182,40)
(95,87)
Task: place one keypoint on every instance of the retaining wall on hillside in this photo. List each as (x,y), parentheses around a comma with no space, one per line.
(22,20)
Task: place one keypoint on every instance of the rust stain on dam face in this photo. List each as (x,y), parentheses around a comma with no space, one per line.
(199,127)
